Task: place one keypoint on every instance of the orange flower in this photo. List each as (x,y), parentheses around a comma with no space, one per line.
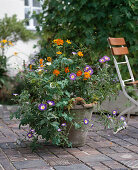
(56,72)
(79,73)
(67,69)
(41,61)
(41,65)
(49,59)
(30,67)
(59,52)
(80,53)
(87,75)
(58,41)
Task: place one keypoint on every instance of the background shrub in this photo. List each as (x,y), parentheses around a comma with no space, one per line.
(90,23)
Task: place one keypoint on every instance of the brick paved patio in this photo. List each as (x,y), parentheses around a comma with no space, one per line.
(103,149)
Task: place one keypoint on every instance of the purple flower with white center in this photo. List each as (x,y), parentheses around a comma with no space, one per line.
(86,121)
(29,135)
(106,58)
(15,94)
(59,130)
(74,53)
(42,107)
(114,112)
(90,70)
(109,117)
(87,68)
(102,60)
(91,125)
(63,124)
(32,130)
(122,118)
(72,76)
(51,103)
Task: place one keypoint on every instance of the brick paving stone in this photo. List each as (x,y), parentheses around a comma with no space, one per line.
(98,139)
(42,168)
(4,146)
(62,161)
(92,164)
(101,167)
(106,150)
(120,149)
(131,164)
(1,167)
(132,148)
(121,142)
(132,141)
(114,165)
(73,167)
(94,158)
(6,164)
(106,143)
(91,152)
(30,164)
(123,156)
(31,156)
(98,166)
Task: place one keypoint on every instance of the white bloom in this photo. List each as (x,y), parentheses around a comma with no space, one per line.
(52,85)
(48,63)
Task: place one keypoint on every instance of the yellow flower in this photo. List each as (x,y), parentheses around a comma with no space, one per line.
(10,43)
(80,53)
(59,52)
(49,59)
(15,53)
(68,41)
(55,41)
(4,41)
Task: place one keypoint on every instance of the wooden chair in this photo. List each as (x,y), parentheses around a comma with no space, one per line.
(118,49)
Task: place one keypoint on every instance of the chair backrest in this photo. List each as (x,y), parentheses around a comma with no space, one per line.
(118,49)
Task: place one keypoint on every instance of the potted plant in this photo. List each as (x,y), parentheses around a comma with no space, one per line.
(60,92)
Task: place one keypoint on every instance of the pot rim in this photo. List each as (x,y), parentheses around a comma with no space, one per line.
(84,106)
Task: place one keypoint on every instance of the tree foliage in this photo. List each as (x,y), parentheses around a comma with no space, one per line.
(13,29)
(91,22)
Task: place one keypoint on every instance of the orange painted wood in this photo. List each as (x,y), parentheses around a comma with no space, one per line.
(133,82)
(117,41)
(119,50)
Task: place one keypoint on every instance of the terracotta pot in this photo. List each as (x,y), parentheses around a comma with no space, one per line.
(78,136)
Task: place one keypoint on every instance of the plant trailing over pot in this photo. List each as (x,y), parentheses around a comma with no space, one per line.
(54,85)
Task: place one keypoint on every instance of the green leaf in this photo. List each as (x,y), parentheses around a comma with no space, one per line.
(55,124)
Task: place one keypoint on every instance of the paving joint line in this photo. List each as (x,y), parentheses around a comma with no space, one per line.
(8,159)
(80,160)
(114,159)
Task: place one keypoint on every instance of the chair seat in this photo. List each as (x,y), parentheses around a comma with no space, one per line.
(132,83)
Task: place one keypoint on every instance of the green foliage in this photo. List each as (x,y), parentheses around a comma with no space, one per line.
(49,79)
(13,29)
(90,23)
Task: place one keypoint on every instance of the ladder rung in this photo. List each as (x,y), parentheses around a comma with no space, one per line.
(127,80)
(121,62)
